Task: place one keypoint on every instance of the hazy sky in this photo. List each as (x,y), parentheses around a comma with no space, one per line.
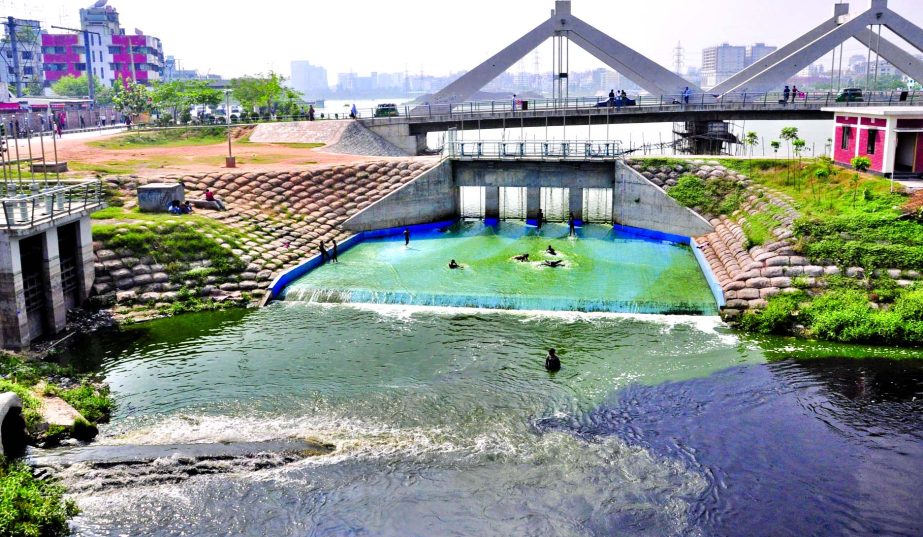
(232,37)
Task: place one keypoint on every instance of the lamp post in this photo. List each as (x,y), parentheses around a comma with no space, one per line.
(230,161)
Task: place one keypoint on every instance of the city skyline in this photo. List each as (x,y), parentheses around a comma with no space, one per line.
(308,34)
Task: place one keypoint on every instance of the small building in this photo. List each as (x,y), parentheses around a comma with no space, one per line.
(890,136)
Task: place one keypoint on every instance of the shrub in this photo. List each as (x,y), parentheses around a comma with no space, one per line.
(30,507)
(778,317)
(93,403)
(841,315)
(713,196)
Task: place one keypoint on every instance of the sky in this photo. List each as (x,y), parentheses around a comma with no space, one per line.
(234,38)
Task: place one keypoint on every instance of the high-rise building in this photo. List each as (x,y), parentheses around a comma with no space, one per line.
(111,52)
(309,80)
(758,51)
(721,62)
(21,53)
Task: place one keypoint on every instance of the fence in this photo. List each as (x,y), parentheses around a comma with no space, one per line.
(28,205)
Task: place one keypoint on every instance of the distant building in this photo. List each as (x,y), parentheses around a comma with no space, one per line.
(309,80)
(22,72)
(721,62)
(172,71)
(113,53)
(758,51)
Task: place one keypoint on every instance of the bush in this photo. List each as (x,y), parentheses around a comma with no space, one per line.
(715,196)
(93,403)
(30,507)
(779,316)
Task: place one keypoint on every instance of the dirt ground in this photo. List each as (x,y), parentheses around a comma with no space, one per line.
(85,159)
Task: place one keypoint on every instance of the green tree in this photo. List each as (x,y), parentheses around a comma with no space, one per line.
(75,86)
(789,134)
(179,95)
(823,169)
(130,97)
(775,145)
(798,145)
(861,165)
(751,139)
(258,92)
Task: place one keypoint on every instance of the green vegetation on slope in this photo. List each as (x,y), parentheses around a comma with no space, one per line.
(165,138)
(714,196)
(31,507)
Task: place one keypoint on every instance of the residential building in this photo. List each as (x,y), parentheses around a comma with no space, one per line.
(21,67)
(891,138)
(111,52)
(721,62)
(758,51)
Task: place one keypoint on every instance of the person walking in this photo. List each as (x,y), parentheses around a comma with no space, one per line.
(786,93)
(353,112)
(794,93)
(687,93)
(514,102)
(311,113)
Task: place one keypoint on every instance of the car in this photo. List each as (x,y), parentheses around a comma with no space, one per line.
(386,110)
(850,95)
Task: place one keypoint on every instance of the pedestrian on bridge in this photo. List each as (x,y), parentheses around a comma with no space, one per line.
(786,93)
(686,94)
(514,102)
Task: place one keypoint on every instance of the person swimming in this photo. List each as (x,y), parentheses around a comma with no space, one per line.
(551,251)
(552,362)
(453,265)
(553,264)
(522,258)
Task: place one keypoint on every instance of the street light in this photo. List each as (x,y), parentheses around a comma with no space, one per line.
(229,162)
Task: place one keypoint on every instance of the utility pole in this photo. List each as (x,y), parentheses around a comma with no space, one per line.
(89,55)
(679,58)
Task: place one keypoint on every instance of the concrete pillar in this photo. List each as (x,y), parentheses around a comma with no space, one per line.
(86,271)
(56,310)
(492,202)
(14,321)
(575,201)
(533,202)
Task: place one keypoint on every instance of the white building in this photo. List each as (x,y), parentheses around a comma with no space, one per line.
(721,62)
(309,80)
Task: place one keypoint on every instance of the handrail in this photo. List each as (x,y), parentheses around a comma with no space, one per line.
(25,206)
(517,150)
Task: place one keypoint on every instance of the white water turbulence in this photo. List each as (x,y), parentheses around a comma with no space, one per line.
(440,421)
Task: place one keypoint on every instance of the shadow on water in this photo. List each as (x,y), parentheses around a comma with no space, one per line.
(817,447)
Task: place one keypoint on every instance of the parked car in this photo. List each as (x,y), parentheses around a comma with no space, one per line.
(850,95)
(386,110)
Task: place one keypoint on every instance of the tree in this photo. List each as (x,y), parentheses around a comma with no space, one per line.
(789,134)
(259,92)
(130,98)
(823,169)
(75,86)
(775,145)
(179,95)
(798,145)
(751,139)
(861,165)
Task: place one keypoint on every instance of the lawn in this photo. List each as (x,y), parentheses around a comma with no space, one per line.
(165,138)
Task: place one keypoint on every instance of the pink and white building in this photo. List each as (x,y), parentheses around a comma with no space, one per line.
(110,53)
(890,136)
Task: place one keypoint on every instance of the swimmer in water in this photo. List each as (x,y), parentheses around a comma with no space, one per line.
(554,264)
(552,362)
(551,250)
(453,265)
(522,258)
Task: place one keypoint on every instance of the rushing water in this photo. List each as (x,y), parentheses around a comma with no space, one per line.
(603,270)
(445,423)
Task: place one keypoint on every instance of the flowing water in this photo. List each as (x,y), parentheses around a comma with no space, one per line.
(603,271)
(444,422)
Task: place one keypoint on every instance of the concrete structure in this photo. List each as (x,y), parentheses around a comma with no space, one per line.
(891,137)
(156,197)
(12,425)
(435,196)
(564,25)
(113,54)
(46,260)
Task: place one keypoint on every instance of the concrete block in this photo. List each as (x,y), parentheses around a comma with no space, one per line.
(156,197)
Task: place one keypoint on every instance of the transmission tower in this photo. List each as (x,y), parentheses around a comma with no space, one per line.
(679,58)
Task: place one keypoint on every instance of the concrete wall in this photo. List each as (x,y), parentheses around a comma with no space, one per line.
(399,135)
(640,203)
(431,197)
(156,197)
(10,403)
(534,174)
(14,323)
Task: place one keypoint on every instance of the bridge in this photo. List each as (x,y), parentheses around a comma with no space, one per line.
(748,95)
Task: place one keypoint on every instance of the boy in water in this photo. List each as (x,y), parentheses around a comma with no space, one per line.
(552,362)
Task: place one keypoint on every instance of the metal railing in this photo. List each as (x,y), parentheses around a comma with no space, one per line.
(650,103)
(551,150)
(27,205)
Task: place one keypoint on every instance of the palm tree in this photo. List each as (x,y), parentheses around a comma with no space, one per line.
(861,165)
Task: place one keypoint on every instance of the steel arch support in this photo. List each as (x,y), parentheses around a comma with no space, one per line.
(907,30)
(475,79)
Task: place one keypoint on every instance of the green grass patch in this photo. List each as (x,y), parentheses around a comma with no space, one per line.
(164,138)
(31,507)
(714,196)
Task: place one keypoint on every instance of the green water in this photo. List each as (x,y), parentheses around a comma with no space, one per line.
(602,271)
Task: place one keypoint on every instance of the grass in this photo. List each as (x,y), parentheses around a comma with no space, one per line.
(714,196)
(32,507)
(134,166)
(164,138)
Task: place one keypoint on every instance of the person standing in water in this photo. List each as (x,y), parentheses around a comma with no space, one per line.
(334,256)
(406,237)
(571,225)
(552,362)
(324,256)
(541,216)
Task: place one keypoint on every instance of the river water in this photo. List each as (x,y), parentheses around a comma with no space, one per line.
(444,422)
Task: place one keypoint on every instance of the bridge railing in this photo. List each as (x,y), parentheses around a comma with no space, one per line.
(812,100)
(27,205)
(532,150)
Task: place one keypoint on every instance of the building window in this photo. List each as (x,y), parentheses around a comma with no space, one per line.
(115,50)
(872,142)
(844,138)
(27,70)
(26,55)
